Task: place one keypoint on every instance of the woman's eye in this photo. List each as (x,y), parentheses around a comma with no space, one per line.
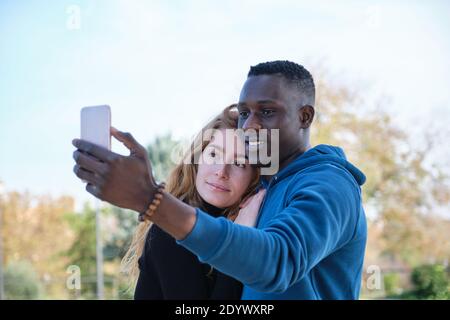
(240,165)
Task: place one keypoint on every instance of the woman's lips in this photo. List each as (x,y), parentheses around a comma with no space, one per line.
(217,187)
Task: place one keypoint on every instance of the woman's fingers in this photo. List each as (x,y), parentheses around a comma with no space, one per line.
(246,202)
(256,197)
(249,214)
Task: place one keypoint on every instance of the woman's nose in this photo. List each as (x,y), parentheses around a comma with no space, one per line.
(222,171)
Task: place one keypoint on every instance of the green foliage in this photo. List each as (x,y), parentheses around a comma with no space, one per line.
(391,283)
(42,237)
(160,151)
(21,281)
(121,224)
(83,250)
(117,228)
(431,282)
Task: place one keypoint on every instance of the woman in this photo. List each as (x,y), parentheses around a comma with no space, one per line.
(222,188)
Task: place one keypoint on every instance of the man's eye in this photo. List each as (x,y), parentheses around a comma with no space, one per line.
(243,114)
(267,112)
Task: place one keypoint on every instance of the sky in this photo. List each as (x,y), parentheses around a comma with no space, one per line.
(169,66)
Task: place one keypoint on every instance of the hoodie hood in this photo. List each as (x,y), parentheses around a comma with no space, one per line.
(321,153)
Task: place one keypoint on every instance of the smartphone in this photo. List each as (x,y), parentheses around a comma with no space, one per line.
(96,124)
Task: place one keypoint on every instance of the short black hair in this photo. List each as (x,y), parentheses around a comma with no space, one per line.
(292,72)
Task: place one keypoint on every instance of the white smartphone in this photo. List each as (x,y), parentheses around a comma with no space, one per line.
(96,124)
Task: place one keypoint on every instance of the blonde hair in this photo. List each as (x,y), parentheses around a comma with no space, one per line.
(180,183)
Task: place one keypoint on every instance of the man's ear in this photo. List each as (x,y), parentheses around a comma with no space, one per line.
(306,116)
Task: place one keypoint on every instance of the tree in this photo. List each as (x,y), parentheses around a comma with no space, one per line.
(430,282)
(22,281)
(402,188)
(34,230)
(82,251)
(119,225)
(160,155)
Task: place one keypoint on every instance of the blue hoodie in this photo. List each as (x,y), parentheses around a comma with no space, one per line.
(310,237)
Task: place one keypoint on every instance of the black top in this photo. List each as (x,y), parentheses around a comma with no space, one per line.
(170,271)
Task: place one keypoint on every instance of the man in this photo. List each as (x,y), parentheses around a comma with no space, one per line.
(310,239)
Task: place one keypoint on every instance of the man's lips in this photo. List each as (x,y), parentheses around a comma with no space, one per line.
(254,143)
(218,187)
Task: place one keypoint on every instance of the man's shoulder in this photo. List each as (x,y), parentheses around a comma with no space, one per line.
(327,178)
(320,173)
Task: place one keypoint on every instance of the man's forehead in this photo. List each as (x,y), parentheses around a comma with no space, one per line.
(263,88)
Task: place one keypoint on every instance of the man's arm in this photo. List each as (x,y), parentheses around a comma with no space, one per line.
(313,225)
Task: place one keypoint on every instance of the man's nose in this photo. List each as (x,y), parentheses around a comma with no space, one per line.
(252,122)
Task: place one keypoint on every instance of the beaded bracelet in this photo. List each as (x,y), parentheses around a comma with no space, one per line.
(154,204)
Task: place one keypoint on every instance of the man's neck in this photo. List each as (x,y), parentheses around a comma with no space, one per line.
(288,159)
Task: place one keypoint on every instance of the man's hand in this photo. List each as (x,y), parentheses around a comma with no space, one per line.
(124,181)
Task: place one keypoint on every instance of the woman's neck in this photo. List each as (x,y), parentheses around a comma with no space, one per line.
(213,210)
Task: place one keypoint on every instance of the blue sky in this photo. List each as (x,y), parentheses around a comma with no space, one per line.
(170,66)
